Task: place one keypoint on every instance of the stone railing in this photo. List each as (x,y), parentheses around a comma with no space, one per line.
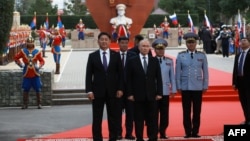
(11,88)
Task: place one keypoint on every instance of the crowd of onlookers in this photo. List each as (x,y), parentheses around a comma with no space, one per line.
(220,39)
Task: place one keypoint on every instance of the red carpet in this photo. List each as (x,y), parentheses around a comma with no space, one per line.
(220,106)
(214,116)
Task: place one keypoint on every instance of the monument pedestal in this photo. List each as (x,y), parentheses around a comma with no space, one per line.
(90,39)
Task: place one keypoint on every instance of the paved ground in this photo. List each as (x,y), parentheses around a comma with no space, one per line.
(16,123)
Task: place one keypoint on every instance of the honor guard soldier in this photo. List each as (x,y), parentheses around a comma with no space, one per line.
(165,27)
(31,76)
(192,82)
(169,85)
(56,49)
(80,28)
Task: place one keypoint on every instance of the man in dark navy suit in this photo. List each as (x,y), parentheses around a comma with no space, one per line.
(145,89)
(104,84)
(135,49)
(123,102)
(241,78)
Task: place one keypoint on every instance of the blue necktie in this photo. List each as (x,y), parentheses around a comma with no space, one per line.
(240,66)
(104,59)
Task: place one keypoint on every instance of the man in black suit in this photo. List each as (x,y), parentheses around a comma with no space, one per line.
(206,39)
(145,89)
(123,102)
(104,86)
(135,49)
(241,78)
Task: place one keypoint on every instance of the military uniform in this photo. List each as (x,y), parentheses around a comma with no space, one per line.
(192,80)
(169,85)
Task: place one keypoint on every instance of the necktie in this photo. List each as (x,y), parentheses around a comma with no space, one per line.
(145,65)
(123,59)
(240,66)
(160,60)
(104,59)
(192,55)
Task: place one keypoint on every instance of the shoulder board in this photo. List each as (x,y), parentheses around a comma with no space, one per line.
(168,58)
(182,52)
(200,52)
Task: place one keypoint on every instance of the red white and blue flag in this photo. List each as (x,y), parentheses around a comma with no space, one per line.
(33,22)
(239,23)
(207,23)
(47,22)
(174,19)
(59,22)
(190,24)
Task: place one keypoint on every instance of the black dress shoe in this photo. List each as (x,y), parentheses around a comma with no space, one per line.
(188,136)
(163,137)
(119,138)
(130,137)
(196,136)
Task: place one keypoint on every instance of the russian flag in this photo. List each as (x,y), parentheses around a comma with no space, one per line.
(174,19)
(33,22)
(207,23)
(59,22)
(190,23)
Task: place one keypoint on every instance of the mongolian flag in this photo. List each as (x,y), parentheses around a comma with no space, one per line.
(174,19)
(47,22)
(237,37)
(190,23)
(33,22)
(59,22)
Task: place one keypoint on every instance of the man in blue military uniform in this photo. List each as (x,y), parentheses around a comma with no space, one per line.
(192,82)
(169,85)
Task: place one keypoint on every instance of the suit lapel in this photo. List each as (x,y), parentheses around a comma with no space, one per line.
(98,59)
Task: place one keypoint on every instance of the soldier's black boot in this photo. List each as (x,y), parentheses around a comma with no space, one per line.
(38,98)
(57,69)
(44,53)
(25,100)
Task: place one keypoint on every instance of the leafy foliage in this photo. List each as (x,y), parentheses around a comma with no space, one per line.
(77,8)
(6,19)
(41,7)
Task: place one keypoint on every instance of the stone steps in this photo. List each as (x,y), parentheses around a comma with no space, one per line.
(69,97)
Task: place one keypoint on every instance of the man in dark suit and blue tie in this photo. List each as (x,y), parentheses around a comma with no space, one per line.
(241,78)
(145,89)
(104,84)
(123,102)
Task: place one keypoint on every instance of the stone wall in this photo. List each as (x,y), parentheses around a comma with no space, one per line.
(11,88)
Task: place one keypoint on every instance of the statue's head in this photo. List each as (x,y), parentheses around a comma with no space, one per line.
(120,9)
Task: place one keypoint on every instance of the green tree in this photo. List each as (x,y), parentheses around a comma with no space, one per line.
(6,16)
(76,8)
(41,7)
(23,6)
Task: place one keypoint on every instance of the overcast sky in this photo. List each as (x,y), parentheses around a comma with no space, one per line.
(59,3)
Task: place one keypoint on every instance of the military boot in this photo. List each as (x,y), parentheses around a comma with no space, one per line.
(57,69)
(25,100)
(38,99)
